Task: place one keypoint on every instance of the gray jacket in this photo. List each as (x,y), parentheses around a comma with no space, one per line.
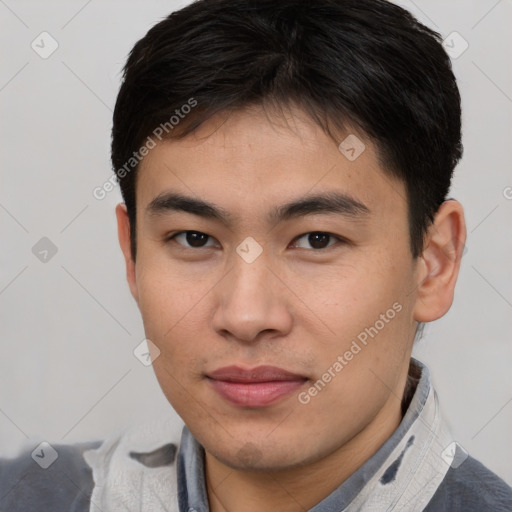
(420,467)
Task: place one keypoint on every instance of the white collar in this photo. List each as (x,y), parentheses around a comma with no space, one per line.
(405,481)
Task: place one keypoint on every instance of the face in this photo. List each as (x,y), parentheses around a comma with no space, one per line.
(282,309)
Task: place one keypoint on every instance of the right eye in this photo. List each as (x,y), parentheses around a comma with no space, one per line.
(195,239)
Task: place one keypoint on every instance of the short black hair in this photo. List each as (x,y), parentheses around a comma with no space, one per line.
(367,64)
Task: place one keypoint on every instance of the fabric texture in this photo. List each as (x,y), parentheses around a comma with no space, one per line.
(65,486)
(159,466)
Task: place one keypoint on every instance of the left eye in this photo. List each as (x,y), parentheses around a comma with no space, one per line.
(316,239)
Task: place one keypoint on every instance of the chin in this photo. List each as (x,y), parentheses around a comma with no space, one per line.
(248,453)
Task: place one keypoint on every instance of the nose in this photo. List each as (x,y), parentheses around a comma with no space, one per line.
(252,300)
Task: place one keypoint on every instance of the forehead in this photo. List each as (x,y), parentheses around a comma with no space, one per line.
(250,162)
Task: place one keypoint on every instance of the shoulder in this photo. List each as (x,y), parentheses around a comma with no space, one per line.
(53,477)
(471,487)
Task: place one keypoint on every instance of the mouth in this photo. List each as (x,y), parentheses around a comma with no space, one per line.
(255,387)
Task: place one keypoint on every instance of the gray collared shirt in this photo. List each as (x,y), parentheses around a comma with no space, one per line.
(397,464)
(419,468)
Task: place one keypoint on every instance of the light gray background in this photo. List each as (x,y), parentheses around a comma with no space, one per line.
(69,326)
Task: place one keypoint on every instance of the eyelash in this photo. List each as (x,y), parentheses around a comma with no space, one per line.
(338,238)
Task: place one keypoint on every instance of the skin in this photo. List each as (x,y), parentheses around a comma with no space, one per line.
(295,306)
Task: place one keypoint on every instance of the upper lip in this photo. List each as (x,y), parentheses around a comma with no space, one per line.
(258,374)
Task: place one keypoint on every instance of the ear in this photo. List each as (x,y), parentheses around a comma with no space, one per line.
(123,233)
(440,262)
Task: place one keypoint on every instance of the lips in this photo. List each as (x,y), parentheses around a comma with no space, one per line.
(255,387)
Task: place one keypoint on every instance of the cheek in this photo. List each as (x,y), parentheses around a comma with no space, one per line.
(175,306)
(351,300)
(167,292)
(169,312)
(369,312)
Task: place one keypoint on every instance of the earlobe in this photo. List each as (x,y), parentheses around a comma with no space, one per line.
(123,233)
(440,262)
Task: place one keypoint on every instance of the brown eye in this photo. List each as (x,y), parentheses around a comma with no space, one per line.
(191,239)
(316,240)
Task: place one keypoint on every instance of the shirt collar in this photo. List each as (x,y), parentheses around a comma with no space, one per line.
(414,454)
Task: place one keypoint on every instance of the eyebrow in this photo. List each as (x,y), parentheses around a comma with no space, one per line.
(327,203)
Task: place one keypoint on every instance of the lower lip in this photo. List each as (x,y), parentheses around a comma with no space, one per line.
(255,394)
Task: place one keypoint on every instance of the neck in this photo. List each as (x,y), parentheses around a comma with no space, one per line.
(300,488)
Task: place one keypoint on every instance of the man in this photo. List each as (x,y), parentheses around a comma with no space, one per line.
(286,231)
